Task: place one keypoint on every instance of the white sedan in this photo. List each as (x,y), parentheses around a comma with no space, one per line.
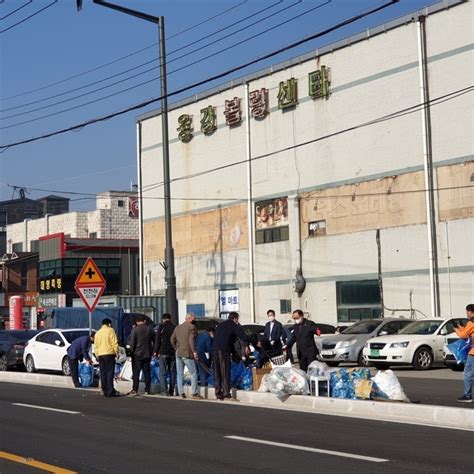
(48,350)
(419,344)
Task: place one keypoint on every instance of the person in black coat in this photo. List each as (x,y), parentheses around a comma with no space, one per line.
(141,347)
(303,334)
(165,350)
(224,338)
(274,334)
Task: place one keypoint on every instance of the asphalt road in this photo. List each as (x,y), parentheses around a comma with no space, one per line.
(154,434)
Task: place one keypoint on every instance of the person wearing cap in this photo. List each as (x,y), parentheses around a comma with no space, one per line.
(204,350)
(106,351)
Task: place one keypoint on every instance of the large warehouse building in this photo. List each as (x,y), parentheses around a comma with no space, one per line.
(356,201)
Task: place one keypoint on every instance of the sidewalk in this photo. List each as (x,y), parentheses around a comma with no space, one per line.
(428,415)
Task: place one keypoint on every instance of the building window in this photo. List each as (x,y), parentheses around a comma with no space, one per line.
(17,247)
(357,300)
(93,235)
(317,228)
(34,245)
(268,236)
(31,215)
(3,218)
(120,203)
(271,221)
(285,306)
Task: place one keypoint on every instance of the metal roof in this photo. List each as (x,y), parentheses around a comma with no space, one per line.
(356,38)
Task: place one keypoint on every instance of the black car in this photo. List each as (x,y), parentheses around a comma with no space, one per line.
(202,324)
(12,345)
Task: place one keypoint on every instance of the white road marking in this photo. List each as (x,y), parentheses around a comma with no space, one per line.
(38,407)
(305,448)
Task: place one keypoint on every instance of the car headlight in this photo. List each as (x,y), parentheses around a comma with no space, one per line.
(399,344)
(347,343)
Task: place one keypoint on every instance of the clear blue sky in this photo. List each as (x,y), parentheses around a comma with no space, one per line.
(60,42)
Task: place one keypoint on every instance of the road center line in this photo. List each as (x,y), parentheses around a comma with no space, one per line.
(38,407)
(305,448)
(34,463)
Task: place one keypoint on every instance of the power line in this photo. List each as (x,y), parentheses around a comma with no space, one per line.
(397,114)
(153,68)
(17,10)
(28,17)
(153,79)
(134,53)
(206,80)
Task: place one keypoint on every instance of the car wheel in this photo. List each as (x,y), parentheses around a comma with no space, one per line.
(3,363)
(457,367)
(332,363)
(65,367)
(423,359)
(30,364)
(361,362)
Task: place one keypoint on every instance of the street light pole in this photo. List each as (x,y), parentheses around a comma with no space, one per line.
(170,277)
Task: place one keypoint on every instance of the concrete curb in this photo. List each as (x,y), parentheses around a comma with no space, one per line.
(428,415)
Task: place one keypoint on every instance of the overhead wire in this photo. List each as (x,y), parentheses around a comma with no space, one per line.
(397,114)
(153,68)
(134,53)
(16,10)
(29,17)
(393,115)
(206,80)
(234,45)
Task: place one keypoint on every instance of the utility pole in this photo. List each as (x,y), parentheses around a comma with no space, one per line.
(170,277)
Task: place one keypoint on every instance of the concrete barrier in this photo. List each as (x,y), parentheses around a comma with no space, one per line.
(429,415)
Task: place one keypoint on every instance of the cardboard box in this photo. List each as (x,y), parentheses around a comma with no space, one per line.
(257,376)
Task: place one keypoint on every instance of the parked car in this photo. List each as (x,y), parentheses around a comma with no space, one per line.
(449,359)
(348,346)
(12,345)
(202,324)
(48,350)
(419,344)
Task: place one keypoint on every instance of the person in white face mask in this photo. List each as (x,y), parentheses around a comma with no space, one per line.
(274,335)
(303,334)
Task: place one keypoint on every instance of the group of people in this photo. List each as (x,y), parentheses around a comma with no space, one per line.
(180,347)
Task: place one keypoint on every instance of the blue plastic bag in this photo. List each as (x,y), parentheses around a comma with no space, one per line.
(155,371)
(118,369)
(341,385)
(460,349)
(246,380)
(236,372)
(86,375)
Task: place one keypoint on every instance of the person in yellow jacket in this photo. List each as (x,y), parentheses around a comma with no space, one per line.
(465,332)
(106,351)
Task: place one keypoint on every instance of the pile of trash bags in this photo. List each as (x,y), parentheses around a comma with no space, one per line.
(364,383)
(286,380)
(354,384)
